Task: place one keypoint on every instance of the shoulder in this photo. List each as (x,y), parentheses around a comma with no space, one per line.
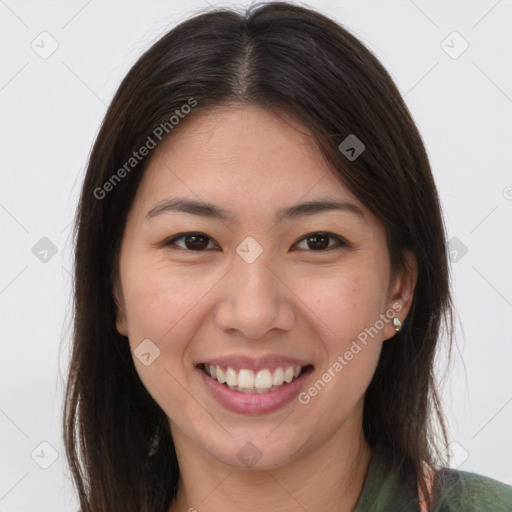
(461,490)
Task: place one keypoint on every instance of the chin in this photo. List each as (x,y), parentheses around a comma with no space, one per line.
(257,452)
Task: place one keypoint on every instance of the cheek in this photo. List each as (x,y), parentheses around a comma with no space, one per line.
(342,310)
(343,304)
(162,307)
(160,302)
(167,306)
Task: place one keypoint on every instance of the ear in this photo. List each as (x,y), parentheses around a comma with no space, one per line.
(121,322)
(401,292)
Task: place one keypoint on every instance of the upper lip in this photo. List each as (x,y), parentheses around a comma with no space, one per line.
(255,364)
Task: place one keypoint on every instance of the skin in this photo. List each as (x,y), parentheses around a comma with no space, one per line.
(292,300)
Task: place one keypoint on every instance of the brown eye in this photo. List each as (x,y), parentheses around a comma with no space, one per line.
(320,241)
(192,241)
(198,242)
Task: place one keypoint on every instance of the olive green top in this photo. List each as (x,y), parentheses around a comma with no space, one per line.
(385,490)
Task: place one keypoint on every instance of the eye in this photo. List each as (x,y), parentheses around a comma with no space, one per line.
(197,242)
(193,241)
(319,241)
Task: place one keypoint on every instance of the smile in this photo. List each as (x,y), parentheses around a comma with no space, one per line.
(251,392)
(245,380)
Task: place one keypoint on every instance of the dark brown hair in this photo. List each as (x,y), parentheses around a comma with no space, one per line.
(288,59)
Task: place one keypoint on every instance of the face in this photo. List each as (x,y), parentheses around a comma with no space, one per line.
(251,286)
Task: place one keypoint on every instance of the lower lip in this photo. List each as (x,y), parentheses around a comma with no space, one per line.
(254,403)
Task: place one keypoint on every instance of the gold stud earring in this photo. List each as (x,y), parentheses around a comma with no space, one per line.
(397,324)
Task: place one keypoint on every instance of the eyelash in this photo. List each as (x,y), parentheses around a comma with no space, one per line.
(340,241)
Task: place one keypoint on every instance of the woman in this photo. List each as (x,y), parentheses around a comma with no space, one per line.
(261,281)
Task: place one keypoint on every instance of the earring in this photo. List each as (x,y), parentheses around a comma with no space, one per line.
(397,324)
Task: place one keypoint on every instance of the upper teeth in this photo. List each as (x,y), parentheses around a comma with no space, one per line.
(263,379)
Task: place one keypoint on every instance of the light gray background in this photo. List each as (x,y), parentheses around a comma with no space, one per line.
(51,110)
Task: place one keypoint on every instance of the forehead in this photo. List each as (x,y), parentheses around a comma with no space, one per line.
(241,137)
(242,156)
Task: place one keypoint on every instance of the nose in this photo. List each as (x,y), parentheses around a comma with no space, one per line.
(254,301)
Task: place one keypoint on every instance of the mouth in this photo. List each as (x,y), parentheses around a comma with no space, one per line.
(261,381)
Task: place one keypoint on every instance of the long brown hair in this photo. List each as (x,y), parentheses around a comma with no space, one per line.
(285,58)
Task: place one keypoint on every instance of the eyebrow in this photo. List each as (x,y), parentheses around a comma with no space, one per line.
(208,210)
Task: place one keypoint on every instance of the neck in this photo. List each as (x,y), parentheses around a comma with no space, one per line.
(330,477)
